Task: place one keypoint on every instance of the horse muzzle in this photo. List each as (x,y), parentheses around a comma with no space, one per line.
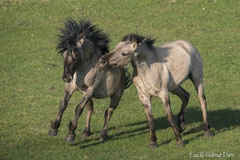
(67,78)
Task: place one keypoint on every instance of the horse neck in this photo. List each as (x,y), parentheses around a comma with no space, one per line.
(90,61)
(87,64)
(143,61)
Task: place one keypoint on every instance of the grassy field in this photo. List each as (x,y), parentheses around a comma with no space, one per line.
(31,86)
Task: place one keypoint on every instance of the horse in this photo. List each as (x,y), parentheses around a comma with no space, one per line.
(81,44)
(158,70)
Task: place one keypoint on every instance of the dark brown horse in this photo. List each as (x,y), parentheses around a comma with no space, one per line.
(81,45)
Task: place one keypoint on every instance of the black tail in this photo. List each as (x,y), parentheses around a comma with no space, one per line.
(129,80)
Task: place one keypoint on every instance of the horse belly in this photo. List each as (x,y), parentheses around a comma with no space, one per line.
(109,84)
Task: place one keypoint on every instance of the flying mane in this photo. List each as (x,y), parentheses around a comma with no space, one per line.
(139,39)
(73,32)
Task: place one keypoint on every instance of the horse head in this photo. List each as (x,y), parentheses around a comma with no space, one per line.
(131,46)
(78,43)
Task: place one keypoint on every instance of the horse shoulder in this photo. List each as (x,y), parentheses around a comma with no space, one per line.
(150,79)
(139,84)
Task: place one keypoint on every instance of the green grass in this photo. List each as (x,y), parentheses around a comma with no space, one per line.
(31,86)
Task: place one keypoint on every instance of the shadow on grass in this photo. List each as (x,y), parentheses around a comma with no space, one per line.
(220,120)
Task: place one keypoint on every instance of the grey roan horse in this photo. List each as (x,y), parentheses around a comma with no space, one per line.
(158,70)
(81,45)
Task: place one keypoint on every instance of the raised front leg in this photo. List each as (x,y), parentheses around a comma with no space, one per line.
(166,101)
(63,105)
(78,111)
(89,107)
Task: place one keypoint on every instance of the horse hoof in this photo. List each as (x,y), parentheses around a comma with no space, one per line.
(52,132)
(104,137)
(208,134)
(153,145)
(70,139)
(180,143)
(85,134)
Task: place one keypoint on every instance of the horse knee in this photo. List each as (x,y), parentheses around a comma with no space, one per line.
(185,97)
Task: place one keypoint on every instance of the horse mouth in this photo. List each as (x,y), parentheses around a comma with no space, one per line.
(113,64)
(67,80)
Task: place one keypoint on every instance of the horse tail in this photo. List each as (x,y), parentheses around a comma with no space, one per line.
(128,80)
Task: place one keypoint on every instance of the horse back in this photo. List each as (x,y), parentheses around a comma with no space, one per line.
(180,58)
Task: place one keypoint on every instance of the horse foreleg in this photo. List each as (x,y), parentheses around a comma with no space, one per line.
(148,110)
(89,107)
(184,96)
(150,118)
(63,105)
(166,101)
(78,111)
(146,102)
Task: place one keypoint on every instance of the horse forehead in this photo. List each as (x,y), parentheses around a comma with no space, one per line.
(122,46)
(67,56)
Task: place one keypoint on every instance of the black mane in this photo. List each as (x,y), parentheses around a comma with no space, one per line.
(73,32)
(138,39)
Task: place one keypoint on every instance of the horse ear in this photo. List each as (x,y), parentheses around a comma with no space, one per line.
(134,46)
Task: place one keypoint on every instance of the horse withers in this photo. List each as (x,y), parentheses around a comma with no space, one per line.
(158,70)
(81,45)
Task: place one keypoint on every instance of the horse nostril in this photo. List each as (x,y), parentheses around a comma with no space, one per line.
(67,79)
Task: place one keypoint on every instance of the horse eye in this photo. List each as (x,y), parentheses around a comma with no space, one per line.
(124,54)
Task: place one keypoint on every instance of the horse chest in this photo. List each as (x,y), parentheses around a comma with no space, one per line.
(147,85)
(153,79)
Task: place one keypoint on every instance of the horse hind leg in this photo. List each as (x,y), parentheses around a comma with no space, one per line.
(107,116)
(184,96)
(198,83)
(166,101)
(109,112)
(89,107)
(63,105)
